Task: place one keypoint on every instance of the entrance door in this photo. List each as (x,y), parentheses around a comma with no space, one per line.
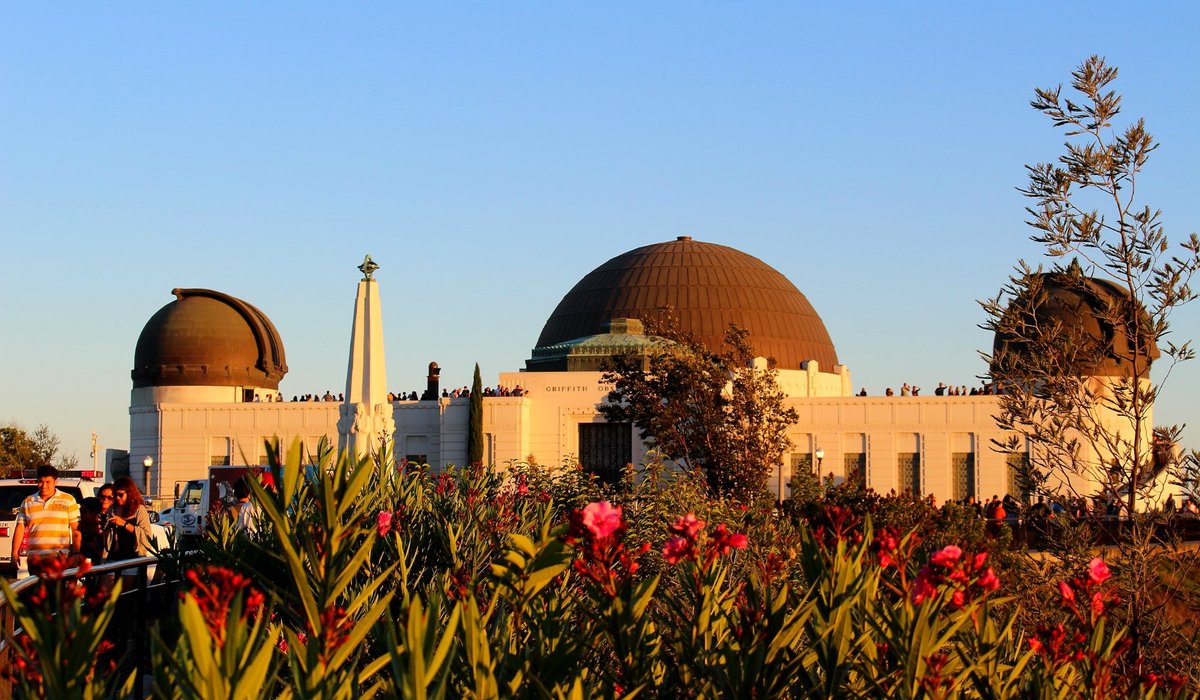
(605,449)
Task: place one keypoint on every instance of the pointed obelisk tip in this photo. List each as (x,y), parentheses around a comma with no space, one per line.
(368,268)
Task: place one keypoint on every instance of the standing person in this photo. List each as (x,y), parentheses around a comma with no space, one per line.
(245,513)
(51,518)
(91,532)
(128,524)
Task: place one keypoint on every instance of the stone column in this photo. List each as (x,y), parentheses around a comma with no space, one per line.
(366,420)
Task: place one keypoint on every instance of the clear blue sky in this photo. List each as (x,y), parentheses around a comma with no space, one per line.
(488,155)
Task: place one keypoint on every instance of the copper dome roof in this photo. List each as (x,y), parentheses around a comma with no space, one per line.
(1081,313)
(708,287)
(206,338)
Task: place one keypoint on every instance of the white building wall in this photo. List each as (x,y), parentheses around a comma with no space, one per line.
(543,425)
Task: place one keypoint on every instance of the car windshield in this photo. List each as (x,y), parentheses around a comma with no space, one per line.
(192,494)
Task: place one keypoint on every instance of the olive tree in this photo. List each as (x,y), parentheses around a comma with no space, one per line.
(1075,344)
(713,411)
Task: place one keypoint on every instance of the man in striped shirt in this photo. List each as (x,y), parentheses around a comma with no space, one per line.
(52,518)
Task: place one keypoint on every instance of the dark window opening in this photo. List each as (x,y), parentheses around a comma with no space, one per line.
(964,475)
(605,449)
(910,472)
(1019,481)
(855,464)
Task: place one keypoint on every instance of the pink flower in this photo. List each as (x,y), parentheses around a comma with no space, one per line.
(687,526)
(947,557)
(602,519)
(1098,571)
(989,581)
(383,523)
(723,540)
(922,588)
(677,549)
(1066,594)
(887,541)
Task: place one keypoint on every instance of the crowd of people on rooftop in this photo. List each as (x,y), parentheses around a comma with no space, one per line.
(327,396)
(461,392)
(906,389)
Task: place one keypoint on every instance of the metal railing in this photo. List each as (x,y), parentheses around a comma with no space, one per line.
(136,597)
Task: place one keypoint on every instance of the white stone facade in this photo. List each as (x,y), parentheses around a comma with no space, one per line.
(543,425)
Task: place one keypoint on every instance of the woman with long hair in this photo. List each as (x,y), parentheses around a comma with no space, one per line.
(128,531)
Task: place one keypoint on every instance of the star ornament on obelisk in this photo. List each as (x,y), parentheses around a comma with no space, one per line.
(368,268)
(366,421)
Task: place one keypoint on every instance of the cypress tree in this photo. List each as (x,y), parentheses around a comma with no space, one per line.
(475,425)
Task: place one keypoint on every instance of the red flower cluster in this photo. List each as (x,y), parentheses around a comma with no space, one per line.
(52,567)
(833,524)
(683,545)
(1172,682)
(936,682)
(336,626)
(459,584)
(214,588)
(25,665)
(383,523)
(1056,646)
(597,532)
(1087,587)
(887,548)
(53,597)
(387,522)
(52,571)
(968,576)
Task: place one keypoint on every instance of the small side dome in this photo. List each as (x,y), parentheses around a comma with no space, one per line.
(207,338)
(1082,317)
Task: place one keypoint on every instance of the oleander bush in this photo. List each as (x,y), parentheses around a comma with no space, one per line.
(361,581)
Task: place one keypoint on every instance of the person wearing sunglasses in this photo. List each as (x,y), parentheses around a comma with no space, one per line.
(128,528)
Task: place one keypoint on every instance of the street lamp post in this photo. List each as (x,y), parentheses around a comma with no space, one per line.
(820,455)
(147,463)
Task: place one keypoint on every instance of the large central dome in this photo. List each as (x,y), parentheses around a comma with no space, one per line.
(708,286)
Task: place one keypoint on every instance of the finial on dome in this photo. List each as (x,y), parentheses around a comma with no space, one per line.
(368,268)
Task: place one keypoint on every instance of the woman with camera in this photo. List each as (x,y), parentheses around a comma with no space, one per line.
(127,531)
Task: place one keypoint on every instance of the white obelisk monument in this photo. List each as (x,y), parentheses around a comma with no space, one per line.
(366,415)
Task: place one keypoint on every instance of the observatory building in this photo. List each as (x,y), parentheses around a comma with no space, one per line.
(208,366)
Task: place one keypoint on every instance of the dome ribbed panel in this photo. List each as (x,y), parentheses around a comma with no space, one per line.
(207,338)
(709,286)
